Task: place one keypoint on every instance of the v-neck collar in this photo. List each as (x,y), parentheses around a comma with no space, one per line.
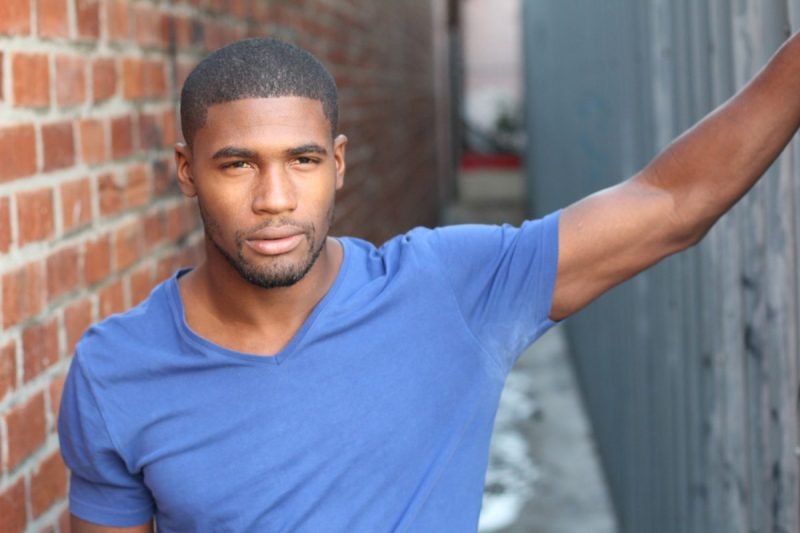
(205,345)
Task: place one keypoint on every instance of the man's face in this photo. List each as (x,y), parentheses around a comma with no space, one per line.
(265,172)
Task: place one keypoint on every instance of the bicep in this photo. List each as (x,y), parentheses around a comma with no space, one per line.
(78,525)
(609,237)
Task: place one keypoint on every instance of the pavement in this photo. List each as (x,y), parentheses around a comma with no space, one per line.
(544,474)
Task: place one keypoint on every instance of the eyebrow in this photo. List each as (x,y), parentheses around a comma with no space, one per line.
(244,153)
(311,148)
(234,151)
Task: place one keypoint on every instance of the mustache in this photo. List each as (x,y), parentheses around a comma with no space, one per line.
(308,230)
(275,223)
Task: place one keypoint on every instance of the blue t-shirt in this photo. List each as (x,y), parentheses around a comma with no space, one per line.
(377,415)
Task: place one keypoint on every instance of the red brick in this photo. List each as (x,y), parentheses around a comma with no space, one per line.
(58,144)
(153,230)
(39,348)
(132,78)
(165,267)
(94,149)
(26,429)
(63,273)
(12,506)
(77,319)
(182,72)
(163,177)
(76,204)
(239,8)
(104,79)
(137,189)
(148,25)
(35,215)
(260,11)
(154,78)
(15,17)
(53,18)
(48,484)
(175,225)
(55,389)
(128,244)
(31,80)
(117,19)
(5,224)
(23,293)
(111,194)
(97,260)
(150,131)
(169,128)
(88,15)
(182,27)
(111,299)
(166,30)
(141,283)
(70,80)
(8,368)
(121,137)
(17,152)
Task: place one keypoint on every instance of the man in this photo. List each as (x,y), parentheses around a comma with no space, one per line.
(297,382)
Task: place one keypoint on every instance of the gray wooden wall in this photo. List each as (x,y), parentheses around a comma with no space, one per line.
(689,371)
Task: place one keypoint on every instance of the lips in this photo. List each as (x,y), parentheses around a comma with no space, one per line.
(275,241)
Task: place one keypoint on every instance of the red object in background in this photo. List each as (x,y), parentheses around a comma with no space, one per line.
(474,160)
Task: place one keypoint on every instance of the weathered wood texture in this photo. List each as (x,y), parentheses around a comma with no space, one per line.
(690,371)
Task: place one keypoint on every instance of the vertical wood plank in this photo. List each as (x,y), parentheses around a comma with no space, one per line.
(691,370)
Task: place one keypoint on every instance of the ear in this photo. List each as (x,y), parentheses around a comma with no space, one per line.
(183,163)
(339,146)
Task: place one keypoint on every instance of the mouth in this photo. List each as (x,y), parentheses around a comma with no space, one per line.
(275,240)
(277,243)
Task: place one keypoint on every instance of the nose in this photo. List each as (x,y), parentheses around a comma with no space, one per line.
(274,192)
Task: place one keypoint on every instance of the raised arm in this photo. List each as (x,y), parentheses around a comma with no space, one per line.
(669,206)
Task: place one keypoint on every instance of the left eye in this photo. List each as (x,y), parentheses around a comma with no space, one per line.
(237,164)
(305,161)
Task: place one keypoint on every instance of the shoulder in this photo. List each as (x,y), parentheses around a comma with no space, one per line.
(123,336)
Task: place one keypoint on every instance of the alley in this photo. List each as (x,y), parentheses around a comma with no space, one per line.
(544,475)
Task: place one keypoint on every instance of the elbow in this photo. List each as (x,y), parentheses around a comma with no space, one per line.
(688,231)
(695,237)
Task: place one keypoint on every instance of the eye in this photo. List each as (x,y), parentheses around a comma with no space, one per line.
(305,161)
(236,165)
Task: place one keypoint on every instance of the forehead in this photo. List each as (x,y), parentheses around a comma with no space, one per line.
(279,122)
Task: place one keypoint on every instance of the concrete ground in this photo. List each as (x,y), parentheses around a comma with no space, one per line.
(544,475)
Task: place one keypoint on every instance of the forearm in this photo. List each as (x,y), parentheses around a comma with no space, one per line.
(708,168)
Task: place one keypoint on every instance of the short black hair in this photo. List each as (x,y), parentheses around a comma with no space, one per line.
(255,68)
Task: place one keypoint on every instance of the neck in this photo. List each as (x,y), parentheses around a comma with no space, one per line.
(219,290)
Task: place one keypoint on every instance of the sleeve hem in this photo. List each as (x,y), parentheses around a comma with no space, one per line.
(549,269)
(106,517)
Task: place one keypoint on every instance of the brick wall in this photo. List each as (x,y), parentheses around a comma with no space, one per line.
(90,218)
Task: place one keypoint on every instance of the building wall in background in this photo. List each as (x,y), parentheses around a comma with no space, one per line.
(90,218)
(492,60)
(690,371)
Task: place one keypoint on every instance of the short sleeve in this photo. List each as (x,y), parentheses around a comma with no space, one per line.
(503,278)
(102,489)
